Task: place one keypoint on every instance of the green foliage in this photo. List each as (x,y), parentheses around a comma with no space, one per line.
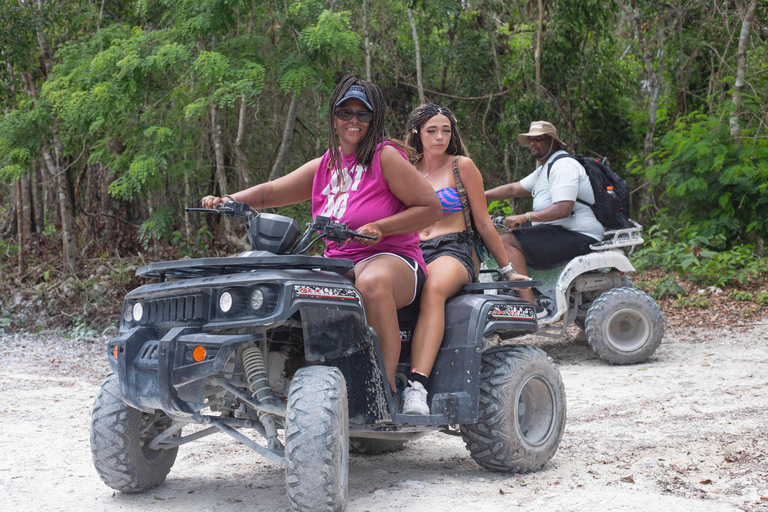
(742,295)
(712,182)
(666,287)
(691,302)
(697,258)
(193,248)
(157,226)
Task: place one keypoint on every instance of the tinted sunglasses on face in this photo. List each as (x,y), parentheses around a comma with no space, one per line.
(363,116)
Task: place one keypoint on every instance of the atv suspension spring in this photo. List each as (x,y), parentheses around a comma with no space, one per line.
(258,385)
(256,373)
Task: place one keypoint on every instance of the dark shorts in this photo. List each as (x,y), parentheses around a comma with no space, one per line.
(456,245)
(419,276)
(545,245)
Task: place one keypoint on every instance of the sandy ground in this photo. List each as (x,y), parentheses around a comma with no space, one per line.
(685,431)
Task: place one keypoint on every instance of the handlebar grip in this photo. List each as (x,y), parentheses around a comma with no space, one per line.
(354,234)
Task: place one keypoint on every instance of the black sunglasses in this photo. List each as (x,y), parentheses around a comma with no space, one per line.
(363,116)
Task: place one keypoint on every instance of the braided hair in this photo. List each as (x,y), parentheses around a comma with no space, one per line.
(419,117)
(377,131)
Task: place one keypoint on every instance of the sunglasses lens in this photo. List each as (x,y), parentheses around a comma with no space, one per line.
(346,115)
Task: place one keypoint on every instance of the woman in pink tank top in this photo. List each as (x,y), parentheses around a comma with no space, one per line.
(365,181)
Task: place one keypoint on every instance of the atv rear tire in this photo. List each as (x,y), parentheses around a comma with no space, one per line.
(522,410)
(317,440)
(120,437)
(624,326)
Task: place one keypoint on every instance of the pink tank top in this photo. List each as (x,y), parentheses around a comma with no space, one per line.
(362,197)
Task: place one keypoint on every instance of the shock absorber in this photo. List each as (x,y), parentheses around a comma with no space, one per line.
(256,374)
(258,385)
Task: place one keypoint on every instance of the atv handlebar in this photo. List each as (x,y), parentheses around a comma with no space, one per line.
(232,209)
(499,222)
(328,229)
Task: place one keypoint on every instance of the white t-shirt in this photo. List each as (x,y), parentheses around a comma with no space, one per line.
(567,181)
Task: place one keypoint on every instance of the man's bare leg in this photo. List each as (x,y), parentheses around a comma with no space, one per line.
(517,258)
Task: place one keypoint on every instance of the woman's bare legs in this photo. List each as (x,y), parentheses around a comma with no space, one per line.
(386,284)
(446,276)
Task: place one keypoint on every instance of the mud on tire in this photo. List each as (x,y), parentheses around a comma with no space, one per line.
(120,437)
(522,410)
(624,326)
(317,440)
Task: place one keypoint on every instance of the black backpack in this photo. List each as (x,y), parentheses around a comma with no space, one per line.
(611,210)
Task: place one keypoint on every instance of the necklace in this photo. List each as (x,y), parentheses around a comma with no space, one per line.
(436,168)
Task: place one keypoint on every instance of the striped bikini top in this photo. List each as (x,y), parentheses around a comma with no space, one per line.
(449,198)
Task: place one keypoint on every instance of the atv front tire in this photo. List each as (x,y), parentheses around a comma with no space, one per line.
(624,326)
(522,410)
(120,437)
(317,440)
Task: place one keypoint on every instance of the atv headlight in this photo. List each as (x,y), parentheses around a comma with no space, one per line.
(128,313)
(138,311)
(225,302)
(257,299)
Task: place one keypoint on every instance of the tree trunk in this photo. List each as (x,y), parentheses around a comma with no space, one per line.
(741,66)
(26,207)
(367,42)
(38,207)
(41,39)
(537,51)
(65,209)
(69,240)
(188,196)
(218,150)
(281,161)
(9,228)
(20,222)
(653,77)
(419,81)
(241,159)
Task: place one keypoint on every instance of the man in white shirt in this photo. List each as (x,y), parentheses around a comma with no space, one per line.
(559,228)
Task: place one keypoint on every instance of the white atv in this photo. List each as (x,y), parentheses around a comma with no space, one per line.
(622,324)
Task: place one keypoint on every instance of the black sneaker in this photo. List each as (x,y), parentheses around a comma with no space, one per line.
(541,311)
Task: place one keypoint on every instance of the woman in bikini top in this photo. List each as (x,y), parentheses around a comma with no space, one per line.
(446,244)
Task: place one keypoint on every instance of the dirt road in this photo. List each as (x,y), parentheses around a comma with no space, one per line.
(685,431)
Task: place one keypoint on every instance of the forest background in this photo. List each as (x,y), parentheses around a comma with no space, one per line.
(116,114)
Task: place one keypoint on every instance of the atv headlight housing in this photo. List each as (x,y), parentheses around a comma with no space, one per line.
(226,301)
(128,313)
(257,299)
(138,311)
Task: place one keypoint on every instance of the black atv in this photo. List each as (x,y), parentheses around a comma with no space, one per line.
(277,342)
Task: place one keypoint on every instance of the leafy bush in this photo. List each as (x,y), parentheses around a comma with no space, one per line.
(713,182)
(193,248)
(696,258)
(667,285)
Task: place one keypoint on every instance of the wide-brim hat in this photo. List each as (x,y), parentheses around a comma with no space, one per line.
(539,128)
(357,92)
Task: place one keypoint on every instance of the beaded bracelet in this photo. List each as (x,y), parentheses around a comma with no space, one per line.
(528,216)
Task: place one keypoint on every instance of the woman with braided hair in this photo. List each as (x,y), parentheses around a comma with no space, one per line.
(366,181)
(447,244)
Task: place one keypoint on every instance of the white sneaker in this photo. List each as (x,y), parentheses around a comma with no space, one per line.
(415,399)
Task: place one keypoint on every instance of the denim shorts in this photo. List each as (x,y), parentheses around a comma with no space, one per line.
(456,245)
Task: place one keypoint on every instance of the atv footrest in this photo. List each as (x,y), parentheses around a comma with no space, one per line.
(416,419)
